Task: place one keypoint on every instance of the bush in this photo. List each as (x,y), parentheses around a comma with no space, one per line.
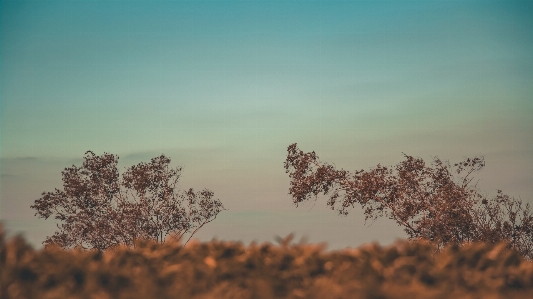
(406,269)
(97,209)
(438,202)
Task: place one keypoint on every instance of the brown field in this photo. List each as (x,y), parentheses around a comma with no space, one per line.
(231,270)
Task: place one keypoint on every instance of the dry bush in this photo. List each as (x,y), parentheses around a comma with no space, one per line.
(435,202)
(406,269)
(99,209)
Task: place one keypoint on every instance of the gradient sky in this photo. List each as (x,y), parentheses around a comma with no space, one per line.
(224,87)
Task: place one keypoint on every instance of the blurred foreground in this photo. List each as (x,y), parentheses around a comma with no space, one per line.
(231,270)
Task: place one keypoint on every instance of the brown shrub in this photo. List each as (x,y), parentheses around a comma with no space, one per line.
(406,269)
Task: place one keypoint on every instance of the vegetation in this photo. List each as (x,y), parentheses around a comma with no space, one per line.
(427,201)
(96,209)
(406,269)
(111,241)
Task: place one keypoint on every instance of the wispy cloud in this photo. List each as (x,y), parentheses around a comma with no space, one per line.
(5,159)
(7,176)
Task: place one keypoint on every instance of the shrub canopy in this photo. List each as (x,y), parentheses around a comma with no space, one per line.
(99,209)
(429,202)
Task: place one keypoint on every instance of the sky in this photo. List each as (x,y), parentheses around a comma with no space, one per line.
(224,87)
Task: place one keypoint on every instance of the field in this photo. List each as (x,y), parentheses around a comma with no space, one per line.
(232,270)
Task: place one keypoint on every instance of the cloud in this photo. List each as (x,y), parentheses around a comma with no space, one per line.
(26,158)
(140,156)
(4,159)
(173,153)
(7,176)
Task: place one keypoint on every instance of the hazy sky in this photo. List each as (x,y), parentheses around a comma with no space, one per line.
(224,87)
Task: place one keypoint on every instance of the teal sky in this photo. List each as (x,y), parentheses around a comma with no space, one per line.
(223,87)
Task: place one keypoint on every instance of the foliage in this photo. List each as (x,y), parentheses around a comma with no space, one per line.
(406,269)
(97,209)
(427,201)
